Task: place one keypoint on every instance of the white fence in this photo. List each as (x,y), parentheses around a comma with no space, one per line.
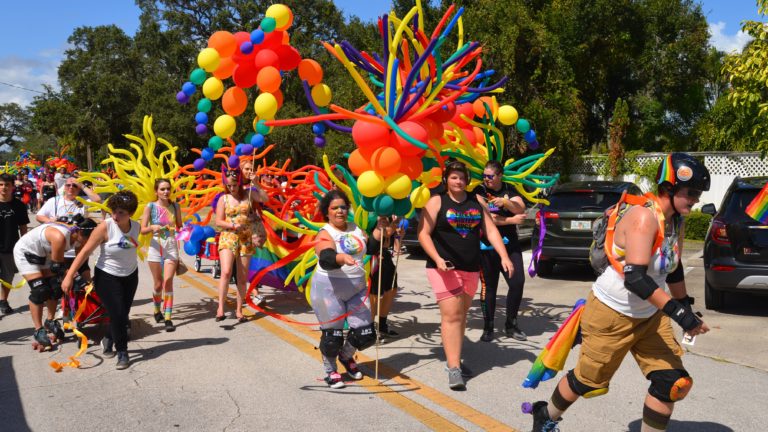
(723,167)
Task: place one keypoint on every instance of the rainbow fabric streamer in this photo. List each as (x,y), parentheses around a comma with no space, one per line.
(552,358)
(758,208)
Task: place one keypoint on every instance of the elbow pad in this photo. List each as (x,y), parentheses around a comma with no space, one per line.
(678,275)
(372,246)
(637,281)
(327,259)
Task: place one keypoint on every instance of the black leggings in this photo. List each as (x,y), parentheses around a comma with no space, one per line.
(490,262)
(116,294)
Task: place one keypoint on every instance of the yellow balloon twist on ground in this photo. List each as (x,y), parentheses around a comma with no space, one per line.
(12,286)
(73,362)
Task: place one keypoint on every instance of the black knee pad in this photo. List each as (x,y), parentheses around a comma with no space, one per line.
(669,385)
(362,337)
(39,290)
(331,342)
(55,284)
(582,389)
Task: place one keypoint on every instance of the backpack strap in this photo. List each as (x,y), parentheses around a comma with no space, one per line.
(621,207)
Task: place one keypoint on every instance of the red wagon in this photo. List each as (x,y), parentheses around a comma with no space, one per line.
(209,251)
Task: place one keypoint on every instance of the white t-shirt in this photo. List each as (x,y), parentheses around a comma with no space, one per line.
(350,242)
(34,242)
(118,254)
(57,207)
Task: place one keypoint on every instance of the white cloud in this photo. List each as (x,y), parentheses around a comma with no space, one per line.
(725,42)
(29,73)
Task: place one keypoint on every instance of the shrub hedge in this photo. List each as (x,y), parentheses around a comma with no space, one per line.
(696,225)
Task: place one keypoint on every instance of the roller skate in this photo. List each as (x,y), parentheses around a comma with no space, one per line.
(541,420)
(55,329)
(41,341)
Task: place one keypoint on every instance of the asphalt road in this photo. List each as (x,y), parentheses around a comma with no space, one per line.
(267,374)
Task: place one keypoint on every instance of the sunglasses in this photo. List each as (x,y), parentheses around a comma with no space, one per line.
(233,173)
(72,185)
(342,208)
(489,176)
(694,193)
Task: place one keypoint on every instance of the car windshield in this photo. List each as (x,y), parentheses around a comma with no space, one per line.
(739,201)
(582,200)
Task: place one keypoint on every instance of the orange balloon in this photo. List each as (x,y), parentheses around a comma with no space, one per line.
(224,42)
(286,38)
(386,161)
(411,166)
(225,69)
(234,101)
(369,136)
(479,135)
(268,79)
(279,96)
(310,71)
(358,164)
(478,106)
(435,173)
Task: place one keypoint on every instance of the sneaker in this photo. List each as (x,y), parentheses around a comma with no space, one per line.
(385,331)
(258,300)
(513,331)
(334,380)
(122,360)
(541,420)
(106,347)
(487,335)
(159,317)
(455,380)
(5,308)
(169,327)
(351,368)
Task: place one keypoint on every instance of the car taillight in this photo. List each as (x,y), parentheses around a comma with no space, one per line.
(723,268)
(547,215)
(719,233)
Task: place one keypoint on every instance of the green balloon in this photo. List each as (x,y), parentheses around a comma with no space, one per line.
(523,126)
(428,163)
(262,128)
(198,76)
(367,203)
(204,105)
(248,137)
(402,207)
(383,205)
(268,24)
(215,143)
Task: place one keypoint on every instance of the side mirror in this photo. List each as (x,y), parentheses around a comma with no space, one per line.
(708,209)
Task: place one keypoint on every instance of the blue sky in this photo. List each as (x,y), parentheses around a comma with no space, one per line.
(34,33)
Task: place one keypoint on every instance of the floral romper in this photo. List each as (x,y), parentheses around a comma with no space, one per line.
(240,241)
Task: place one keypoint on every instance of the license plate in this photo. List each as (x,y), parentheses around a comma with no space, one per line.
(581,224)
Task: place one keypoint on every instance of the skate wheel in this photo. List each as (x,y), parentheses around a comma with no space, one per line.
(527,408)
(35,345)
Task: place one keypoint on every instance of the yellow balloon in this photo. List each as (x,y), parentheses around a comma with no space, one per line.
(321,94)
(224,126)
(265,106)
(208,59)
(282,15)
(507,115)
(420,196)
(213,88)
(398,186)
(370,183)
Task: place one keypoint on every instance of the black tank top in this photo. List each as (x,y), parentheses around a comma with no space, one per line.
(457,233)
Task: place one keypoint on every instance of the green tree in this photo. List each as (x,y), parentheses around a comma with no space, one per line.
(617,130)
(748,75)
(14,121)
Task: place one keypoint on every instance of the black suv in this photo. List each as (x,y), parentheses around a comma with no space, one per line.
(736,246)
(568,219)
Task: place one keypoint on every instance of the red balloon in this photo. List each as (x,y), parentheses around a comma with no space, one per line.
(264,58)
(272,40)
(369,136)
(445,113)
(434,129)
(416,131)
(467,110)
(244,75)
(289,57)
(469,134)
(411,166)
(238,57)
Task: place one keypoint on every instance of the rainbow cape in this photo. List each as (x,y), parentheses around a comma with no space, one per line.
(553,356)
(758,208)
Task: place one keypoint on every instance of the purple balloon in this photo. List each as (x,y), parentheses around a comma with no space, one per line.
(201,129)
(534,145)
(247,149)
(182,97)
(246,47)
(320,141)
(234,161)
(199,164)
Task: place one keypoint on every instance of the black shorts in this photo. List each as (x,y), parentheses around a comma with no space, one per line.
(388,276)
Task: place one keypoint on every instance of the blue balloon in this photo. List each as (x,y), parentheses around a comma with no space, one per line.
(239,149)
(197,234)
(257,36)
(192,248)
(530,136)
(257,140)
(207,154)
(209,232)
(201,118)
(188,88)
(318,128)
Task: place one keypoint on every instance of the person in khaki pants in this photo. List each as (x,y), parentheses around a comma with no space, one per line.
(629,311)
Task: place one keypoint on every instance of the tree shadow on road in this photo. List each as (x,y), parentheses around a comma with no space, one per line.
(12,415)
(175,345)
(685,426)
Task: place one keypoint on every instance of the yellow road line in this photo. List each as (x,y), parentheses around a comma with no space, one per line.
(409,406)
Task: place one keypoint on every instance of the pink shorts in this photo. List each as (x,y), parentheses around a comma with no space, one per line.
(451,283)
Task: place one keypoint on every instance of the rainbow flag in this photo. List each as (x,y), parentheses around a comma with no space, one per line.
(758,208)
(553,356)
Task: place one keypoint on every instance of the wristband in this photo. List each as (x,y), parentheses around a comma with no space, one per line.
(683,316)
